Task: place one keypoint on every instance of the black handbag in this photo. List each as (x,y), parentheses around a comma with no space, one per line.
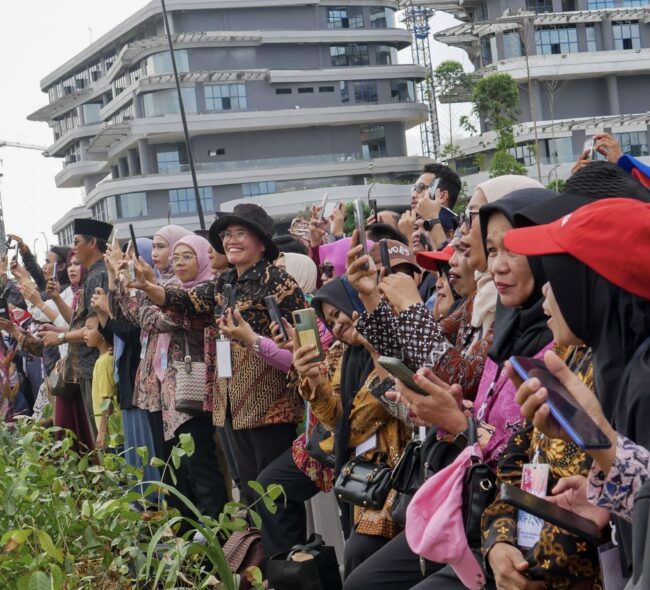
(407,478)
(306,567)
(364,483)
(436,454)
(313,448)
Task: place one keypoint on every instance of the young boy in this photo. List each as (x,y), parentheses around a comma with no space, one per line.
(103,384)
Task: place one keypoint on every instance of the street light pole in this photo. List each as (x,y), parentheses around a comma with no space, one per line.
(188,147)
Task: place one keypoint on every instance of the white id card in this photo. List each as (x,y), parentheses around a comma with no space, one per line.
(224,360)
(366,445)
(143,350)
(534,480)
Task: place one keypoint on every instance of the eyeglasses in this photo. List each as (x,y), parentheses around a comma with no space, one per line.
(418,188)
(185,257)
(77,242)
(467,218)
(239,236)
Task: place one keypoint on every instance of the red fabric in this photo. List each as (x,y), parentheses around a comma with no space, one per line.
(70,414)
(642,178)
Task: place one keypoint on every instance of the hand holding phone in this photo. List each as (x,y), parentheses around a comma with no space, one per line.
(400,371)
(360,226)
(385,256)
(307,331)
(134,243)
(323,205)
(274,312)
(230,296)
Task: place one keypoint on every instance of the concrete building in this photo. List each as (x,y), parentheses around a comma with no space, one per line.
(284,99)
(589,62)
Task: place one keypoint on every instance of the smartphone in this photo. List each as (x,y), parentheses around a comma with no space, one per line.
(543,509)
(360,225)
(307,332)
(433,188)
(577,423)
(134,243)
(323,204)
(230,296)
(588,146)
(400,371)
(373,209)
(425,242)
(385,256)
(276,316)
(54,272)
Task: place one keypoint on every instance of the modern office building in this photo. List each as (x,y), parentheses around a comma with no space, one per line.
(284,100)
(589,62)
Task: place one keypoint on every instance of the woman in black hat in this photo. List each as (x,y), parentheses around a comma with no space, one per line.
(257,407)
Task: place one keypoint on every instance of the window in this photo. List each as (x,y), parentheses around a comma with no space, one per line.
(634,143)
(305,91)
(109,60)
(635,2)
(91,112)
(166,101)
(382,18)
(354,54)
(131,205)
(386,55)
(73,154)
(590,31)
(568,5)
(217,152)
(168,161)
(225,97)
(488,49)
(326,89)
(183,200)
(555,40)
(512,45)
(540,5)
(345,92)
(345,17)
(524,154)
(365,92)
(135,74)
(99,211)
(283,90)
(95,72)
(373,141)
(596,4)
(161,63)
(402,90)
(626,35)
(254,189)
(480,13)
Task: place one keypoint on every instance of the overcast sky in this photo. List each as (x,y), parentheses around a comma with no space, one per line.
(36,38)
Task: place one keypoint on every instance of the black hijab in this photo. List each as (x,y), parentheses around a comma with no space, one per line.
(356,365)
(616,325)
(519,331)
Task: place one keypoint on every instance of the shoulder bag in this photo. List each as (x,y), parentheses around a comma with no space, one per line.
(243,550)
(364,483)
(190,383)
(62,381)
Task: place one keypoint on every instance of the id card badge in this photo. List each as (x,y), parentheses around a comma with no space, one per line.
(366,445)
(224,359)
(164,362)
(534,480)
(611,568)
(143,350)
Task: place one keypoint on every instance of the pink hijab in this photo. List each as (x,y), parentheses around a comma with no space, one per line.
(171,234)
(205,273)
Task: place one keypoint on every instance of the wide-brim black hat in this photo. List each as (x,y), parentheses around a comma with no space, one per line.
(252,217)
(93,228)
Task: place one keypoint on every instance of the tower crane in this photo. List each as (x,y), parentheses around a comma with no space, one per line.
(12,144)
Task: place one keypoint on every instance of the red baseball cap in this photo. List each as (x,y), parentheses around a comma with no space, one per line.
(430,260)
(594,234)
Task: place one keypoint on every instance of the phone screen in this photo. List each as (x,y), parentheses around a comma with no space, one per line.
(323,206)
(385,256)
(573,418)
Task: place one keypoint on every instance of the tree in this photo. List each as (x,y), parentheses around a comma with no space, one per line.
(495,99)
(449,79)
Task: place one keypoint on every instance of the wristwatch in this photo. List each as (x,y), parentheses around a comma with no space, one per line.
(429,224)
(256,346)
(61,338)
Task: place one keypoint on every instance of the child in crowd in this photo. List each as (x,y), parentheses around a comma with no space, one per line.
(103,387)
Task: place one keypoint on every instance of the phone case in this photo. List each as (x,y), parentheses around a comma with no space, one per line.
(307,330)
(400,371)
(274,312)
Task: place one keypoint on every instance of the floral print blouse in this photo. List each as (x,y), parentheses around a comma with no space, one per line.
(615,491)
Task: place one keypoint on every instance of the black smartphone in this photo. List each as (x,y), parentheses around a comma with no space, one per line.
(373,209)
(577,423)
(134,243)
(425,242)
(543,509)
(230,296)
(385,256)
(360,226)
(274,311)
(400,371)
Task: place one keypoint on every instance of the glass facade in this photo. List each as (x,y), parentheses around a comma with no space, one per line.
(354,54)
(488,49)
(512,45)
(130,205)
(163,102)
(559,150)
(590,31)
(345,17)
(386,55)
(183,200)
(540,5)
(99,210)
(161,63)
(225,97)
(91,112)
(373,141)
(382,18)
(626,35)
(557,39)
(402,90)
(365,92)
(169,160)
(596,4)
(634,143)
(254,189)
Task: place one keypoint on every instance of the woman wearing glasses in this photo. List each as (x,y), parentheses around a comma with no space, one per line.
(180,345)
(257,406)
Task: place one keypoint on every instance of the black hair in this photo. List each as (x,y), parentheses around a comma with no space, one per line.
(449,180)
(289,243)
(381,231)
(102,245)
(61,253)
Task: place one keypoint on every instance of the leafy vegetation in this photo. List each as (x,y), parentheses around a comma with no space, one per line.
(82,522)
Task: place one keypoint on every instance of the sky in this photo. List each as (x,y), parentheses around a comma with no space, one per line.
(36,38)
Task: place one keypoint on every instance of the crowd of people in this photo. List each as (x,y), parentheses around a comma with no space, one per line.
(409,362)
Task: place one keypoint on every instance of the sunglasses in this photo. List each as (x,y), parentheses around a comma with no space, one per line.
(467,218)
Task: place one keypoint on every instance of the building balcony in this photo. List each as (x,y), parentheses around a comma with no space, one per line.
(73,174)
(278,169)
(58,147)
